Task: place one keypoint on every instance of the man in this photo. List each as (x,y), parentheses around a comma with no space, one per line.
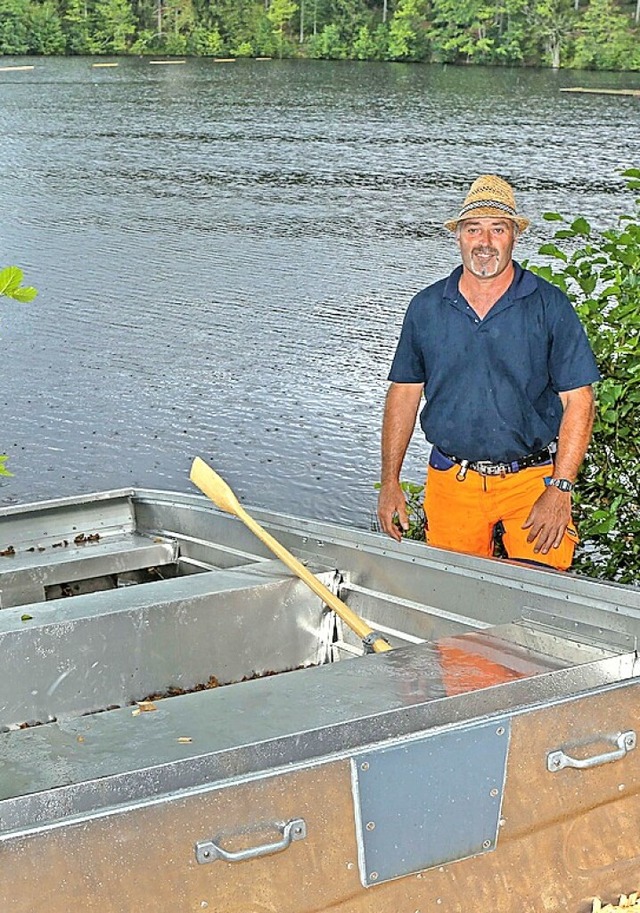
(506,371)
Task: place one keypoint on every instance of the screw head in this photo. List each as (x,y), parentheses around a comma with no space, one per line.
(373,876)
(364,765)
(371,825)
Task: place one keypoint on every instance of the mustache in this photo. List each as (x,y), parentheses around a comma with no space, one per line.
(486,250)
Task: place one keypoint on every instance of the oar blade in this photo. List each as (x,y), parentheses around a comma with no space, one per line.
(213,486)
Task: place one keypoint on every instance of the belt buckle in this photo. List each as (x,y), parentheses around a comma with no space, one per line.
(495,469)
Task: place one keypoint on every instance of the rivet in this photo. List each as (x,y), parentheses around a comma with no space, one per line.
(500,730)
(373,876)
(364,765)
(493,793)
(486,844)
(371,825)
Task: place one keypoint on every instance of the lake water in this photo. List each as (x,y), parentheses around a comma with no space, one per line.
(224,252)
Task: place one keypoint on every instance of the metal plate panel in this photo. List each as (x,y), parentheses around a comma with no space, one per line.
(429,801)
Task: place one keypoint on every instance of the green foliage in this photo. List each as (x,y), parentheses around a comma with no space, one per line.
(328,44)
(14,27)
(414,494)
(114,26)
(11,285)
(600,34)
(554,21)
(600,271)
(206,42)
(280,13)
(371,45)
(605,41)
(77,28)
(407,31)
(45,29)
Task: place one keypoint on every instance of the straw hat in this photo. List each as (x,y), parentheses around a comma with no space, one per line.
(489,197)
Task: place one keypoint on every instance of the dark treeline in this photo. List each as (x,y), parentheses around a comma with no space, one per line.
(596,34)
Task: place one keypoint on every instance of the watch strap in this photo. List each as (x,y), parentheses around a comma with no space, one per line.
(562,484)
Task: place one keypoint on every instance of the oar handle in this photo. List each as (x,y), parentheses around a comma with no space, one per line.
(357,625)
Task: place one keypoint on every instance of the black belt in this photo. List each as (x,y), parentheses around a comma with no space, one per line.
(487,468)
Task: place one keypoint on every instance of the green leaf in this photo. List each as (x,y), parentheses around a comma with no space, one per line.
(24,295)
(26,617)
(10,279)
(552,217)
(581,227)
(11,285)
(552,250)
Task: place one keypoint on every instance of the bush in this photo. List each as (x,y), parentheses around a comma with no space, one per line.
(414,494)
(602,279)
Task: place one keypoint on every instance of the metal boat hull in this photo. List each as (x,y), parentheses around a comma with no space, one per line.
(487,762)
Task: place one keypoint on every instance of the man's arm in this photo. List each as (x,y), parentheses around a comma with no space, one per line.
(551,513)
(401,408)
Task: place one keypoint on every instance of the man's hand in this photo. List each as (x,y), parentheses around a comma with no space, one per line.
(392,510)
(548,519)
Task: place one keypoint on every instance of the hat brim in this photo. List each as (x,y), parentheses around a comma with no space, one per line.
(488,212)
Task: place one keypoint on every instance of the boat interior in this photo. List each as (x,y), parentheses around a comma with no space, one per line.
(135,605)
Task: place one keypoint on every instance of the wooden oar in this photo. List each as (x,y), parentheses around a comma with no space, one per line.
(210,483)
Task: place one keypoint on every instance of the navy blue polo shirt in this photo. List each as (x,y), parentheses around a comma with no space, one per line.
(491,386)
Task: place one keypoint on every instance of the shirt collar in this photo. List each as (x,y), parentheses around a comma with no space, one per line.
(524,283)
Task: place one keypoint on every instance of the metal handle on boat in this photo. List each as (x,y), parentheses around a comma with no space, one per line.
(626,742)
(208,851)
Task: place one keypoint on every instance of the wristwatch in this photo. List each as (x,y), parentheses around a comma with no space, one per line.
(562,484)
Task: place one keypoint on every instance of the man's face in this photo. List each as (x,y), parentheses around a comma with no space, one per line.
(486,245)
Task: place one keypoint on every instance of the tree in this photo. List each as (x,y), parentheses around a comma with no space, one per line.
(328,44)
(45,29)
(281,12)
(14,30)
(76,27)
(604,40)
(114,26)
(463,30)
(408,31)
(554,20)
(371,46)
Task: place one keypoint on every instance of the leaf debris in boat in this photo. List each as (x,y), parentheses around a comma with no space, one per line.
(143,707)
(81,539)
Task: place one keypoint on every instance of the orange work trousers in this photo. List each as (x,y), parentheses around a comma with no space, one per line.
(462,515)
